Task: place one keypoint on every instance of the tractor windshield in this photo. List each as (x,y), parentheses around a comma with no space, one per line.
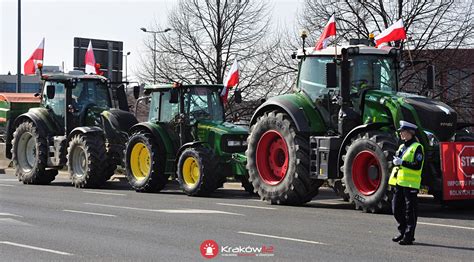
(203,103)
(367,71)
(90,92)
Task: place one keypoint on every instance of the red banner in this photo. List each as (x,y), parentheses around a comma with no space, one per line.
(457,165)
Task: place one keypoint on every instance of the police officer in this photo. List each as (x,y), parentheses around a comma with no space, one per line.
(406,179)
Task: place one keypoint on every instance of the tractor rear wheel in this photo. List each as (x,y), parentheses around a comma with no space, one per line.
(278,161)
(86,157)
(145,164)
(367,167)
(197,171)
(30,155)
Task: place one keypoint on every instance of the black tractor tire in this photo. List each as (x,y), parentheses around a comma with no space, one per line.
(293,187)
(340,189)
(109,170)
(367,167)
(32,169)
(246,184)
(147,174)
(86,157)
(200,160)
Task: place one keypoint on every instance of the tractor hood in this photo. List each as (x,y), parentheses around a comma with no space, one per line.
(223,137)
(221,128)
(429,114)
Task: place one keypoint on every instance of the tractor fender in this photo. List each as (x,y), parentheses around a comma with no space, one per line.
(157,133)
(85,130)
(40,119)
(353,133)
(187,145)
(296,113)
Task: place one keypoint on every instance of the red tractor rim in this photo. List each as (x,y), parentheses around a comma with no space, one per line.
(361,166)
(272,157)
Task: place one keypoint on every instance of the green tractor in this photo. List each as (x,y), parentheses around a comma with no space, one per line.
(74,125)
(186,136)
(340,127)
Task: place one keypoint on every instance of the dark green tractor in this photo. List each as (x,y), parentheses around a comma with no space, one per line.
(74,125)
(340,127)
(186,136)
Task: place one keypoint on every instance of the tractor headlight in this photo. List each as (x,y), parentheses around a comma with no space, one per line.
(432,139)
(233,143)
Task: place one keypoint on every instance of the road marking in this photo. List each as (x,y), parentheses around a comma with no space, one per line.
(103,193)
(11,221)
(328,202)
(236,205)
(442,225)
(170,211)
(7,185)
(88,213)
(284,238)
(9,215)
(36,248)
(9,179)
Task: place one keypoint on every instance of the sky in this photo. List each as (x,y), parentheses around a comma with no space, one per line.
(59,21)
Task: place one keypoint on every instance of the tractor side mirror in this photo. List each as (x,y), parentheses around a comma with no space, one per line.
(331,75)
(174,96)
(50,91)
(136,92)
(238,96)
(430,77)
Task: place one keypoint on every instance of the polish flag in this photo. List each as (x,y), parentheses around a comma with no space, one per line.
(393,33)
(90,60)
(37,57)
(231,80)
(329,30)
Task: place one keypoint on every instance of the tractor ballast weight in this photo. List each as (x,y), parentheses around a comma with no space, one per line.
(186,137)
(74,126)
(340,126)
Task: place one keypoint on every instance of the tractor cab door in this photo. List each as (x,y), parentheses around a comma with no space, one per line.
(56,103)
(167,114)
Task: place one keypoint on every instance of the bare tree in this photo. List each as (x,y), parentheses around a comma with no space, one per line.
(443,26)
(206,37)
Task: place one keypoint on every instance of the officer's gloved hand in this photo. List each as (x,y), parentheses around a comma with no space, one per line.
(397,161)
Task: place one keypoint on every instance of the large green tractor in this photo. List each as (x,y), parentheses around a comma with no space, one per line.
(186,136)
(74,125)
(340,127)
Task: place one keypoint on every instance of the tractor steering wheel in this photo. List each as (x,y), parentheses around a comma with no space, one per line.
(83,113)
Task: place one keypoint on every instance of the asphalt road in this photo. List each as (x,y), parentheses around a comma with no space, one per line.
(61,223)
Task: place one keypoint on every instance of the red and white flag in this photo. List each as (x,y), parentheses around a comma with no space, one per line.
(90,60)
(37,57)
(329,30)
(231,80)
(392,33)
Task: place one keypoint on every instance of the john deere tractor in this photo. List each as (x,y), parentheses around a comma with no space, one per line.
(186,137)
(340,127)
(74,125)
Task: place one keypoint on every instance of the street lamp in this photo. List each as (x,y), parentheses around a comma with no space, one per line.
(126,67)
(154,47)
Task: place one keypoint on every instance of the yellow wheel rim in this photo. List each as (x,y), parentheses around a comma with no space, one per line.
(140,161)
(191,172)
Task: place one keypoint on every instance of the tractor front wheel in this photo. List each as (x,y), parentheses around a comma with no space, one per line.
(86,158)
(367,167)
(197,171)
(278,161)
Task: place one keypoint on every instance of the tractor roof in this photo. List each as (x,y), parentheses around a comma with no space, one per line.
(331,50)
(71,75)
(164,87)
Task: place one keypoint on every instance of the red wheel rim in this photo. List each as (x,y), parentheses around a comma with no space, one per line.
(364,163)
(272,157)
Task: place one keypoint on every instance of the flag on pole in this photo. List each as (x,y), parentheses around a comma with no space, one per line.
(37,57)
(392,33)
(90,60)
(231,80)
(329,30)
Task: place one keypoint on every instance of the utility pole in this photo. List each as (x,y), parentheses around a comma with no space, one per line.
(18,79)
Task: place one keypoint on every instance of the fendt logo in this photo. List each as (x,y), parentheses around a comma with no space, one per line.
(466,161)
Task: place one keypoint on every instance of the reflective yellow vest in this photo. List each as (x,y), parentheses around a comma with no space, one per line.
(404,176)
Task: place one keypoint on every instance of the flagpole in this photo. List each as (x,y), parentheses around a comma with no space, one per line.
(18,80)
